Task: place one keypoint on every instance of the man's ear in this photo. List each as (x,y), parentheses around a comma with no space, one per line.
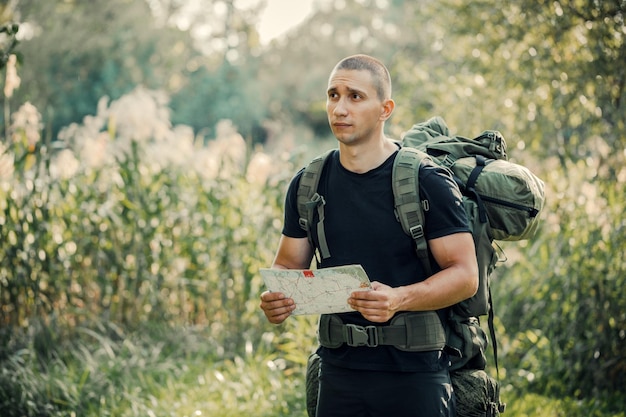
(387,109)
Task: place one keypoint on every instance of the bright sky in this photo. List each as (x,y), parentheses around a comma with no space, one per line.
(280,16)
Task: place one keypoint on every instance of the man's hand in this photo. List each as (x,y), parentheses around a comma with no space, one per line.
(276,306)
(293,253)
(378,305)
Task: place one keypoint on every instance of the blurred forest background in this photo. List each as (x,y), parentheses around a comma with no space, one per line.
(144,154)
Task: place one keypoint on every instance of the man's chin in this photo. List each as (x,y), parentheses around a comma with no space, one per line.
(345,138)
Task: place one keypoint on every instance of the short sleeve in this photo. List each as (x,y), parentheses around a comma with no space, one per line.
(291,225)
(446,214)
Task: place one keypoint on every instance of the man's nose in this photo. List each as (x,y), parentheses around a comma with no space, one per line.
(340,108)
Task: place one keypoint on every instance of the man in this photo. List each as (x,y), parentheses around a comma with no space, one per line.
(372,379)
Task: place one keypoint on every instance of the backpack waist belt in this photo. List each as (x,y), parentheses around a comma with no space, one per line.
(411,332)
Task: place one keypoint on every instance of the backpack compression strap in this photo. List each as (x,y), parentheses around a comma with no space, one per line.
(309,201)
(408,206)
(481,163)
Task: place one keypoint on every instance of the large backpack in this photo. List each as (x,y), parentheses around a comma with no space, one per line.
(502,201)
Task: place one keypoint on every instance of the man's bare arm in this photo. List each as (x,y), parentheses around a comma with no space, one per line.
(293,253)
(457,281)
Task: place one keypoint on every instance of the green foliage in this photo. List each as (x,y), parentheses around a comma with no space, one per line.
(241,100)
(560,300)
(77,52)
(25,234)
(158,371)
(549,72)
(91,254)
(537,405)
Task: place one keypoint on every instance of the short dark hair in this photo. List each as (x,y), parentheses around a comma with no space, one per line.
(380,74)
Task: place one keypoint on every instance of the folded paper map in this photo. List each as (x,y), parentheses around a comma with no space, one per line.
(319,291)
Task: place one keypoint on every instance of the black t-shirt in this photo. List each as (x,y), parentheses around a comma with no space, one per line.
(361,228)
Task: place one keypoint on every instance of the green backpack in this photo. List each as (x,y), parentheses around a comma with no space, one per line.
(502,201)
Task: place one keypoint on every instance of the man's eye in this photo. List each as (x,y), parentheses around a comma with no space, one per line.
(356,96)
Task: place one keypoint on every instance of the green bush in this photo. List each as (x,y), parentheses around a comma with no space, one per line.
(560,298)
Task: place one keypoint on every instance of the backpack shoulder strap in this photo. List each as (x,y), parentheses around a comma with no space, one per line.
(408,205)
(308,201)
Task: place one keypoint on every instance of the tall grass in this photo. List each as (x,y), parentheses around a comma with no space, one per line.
(160,371)
(136,239)
(132,273)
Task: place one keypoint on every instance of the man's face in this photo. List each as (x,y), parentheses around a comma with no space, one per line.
(353,106)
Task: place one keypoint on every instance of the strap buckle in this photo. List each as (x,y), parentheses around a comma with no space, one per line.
(417,232)
(360,335)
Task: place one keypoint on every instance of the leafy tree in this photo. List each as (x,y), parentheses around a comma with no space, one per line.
(228,92)
(220,80)
(76,52)
(221,29)
(553,70)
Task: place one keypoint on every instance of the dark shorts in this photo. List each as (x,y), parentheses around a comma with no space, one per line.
(349,392)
